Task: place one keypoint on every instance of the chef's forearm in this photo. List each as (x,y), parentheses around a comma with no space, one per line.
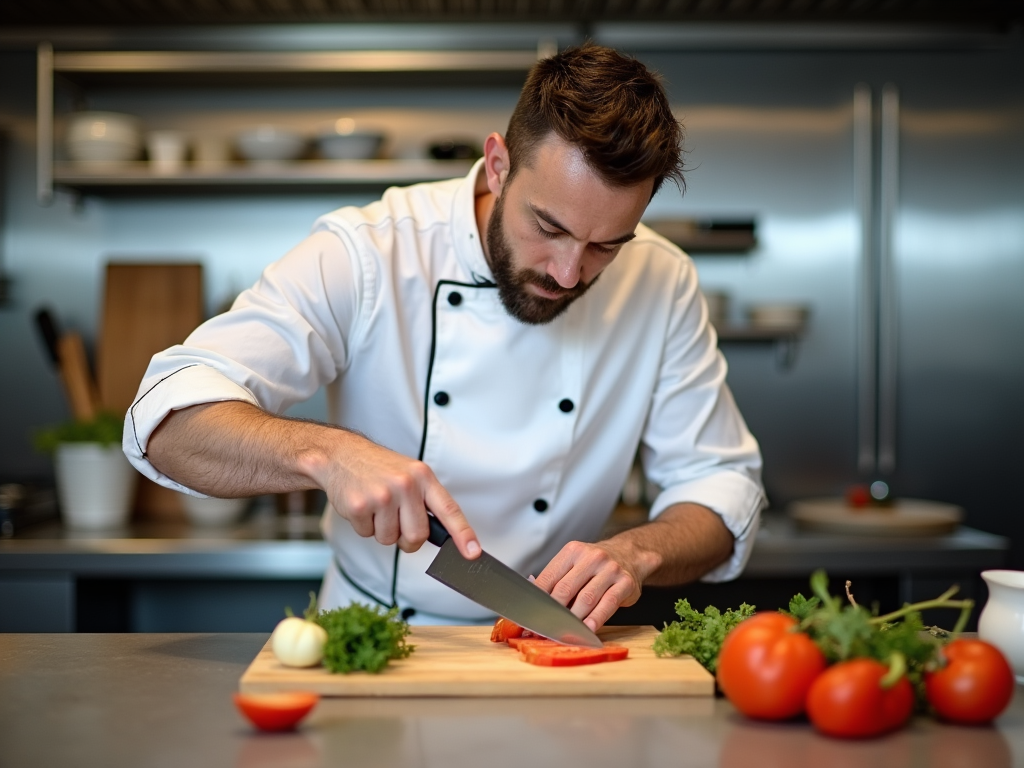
(234,449)
(682,544)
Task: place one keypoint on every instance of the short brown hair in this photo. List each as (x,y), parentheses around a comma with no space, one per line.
(610,106)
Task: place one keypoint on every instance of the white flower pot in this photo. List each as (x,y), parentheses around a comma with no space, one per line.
(95,485)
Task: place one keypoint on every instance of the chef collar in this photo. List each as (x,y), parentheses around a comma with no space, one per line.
(465,235)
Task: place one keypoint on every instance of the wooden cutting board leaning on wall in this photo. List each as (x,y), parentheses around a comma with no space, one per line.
(146,309)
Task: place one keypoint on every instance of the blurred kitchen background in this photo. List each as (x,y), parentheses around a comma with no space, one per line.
(854,205)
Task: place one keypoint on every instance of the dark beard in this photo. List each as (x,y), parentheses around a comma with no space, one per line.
(524,307)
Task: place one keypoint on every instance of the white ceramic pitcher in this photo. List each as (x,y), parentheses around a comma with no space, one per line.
(1002,620)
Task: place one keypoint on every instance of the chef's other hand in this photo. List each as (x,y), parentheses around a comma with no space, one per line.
(386,495)
(594,580)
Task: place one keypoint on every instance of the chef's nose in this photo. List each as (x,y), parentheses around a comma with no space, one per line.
(566,266)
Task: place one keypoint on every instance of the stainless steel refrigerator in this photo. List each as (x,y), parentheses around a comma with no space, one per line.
(888,192)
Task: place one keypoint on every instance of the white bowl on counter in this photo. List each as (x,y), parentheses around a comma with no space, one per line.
(270,144)
(342,141)
(103,138)
(213,512)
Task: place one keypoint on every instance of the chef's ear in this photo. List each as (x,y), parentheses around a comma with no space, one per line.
(496,163)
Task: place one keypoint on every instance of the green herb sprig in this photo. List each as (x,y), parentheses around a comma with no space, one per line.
(699,634)
(360,637)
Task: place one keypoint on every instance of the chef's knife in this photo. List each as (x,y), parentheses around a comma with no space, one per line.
(495,586)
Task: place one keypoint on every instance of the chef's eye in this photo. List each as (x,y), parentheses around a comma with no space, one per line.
(602,249)
(547,233)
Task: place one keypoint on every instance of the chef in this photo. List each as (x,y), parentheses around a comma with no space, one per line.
(494,350)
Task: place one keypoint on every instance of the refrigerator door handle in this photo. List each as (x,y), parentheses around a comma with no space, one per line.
(888,329)
(863,183)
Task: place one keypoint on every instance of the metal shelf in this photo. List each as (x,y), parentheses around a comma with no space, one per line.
(267,68)
(310,175)
(784,337)
(298,62)
(708,236)
(755,333)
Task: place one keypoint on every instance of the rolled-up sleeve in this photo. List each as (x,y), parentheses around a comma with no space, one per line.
(696,446)
(281,341)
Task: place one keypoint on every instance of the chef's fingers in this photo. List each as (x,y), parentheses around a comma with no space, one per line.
(413,523)
(359,513)
(590,591)
(557,569)
(616,597)
(444,507)
(385,526)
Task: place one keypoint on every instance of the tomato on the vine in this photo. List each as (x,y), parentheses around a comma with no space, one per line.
(848,700)
(974,686)
(766,667)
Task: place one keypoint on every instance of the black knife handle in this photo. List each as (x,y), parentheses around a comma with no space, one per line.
(438,533)
(48,329)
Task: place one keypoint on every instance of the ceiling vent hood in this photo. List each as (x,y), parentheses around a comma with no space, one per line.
(636,24)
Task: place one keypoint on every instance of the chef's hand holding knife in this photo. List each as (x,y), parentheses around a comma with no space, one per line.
(233,449)
(386,495)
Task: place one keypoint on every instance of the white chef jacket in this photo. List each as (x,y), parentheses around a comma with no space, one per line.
(531,428)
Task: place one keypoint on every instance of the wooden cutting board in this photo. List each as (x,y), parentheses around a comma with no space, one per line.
(462,661)
(146,309)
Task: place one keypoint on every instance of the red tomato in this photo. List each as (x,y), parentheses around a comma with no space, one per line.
(519,642)
(975,685)
(765,667)
(858,496)
(848,700)
(503,629)
(275,711)
(569,655)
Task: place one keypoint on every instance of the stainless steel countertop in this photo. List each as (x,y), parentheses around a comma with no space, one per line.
(165,700)
(276,548)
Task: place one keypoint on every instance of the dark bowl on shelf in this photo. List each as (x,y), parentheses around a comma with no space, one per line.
(454,150)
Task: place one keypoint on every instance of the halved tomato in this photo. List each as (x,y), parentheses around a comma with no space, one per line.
(503,629)
(275,711)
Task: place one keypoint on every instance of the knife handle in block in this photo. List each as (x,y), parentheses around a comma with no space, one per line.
(438,533)
(78,383)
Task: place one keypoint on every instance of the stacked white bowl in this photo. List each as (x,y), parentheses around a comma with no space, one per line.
(103,138)
(270,144)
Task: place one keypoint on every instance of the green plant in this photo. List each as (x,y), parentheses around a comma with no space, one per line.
(105,429)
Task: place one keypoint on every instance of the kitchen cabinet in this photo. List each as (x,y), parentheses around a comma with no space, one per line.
(84,71)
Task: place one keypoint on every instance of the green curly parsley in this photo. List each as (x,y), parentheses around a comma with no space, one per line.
(363,638)
(699,634)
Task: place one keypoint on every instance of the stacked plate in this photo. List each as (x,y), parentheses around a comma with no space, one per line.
(103,139)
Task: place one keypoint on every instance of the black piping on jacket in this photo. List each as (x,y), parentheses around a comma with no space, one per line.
(481,283)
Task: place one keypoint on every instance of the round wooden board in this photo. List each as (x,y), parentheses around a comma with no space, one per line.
(904,517)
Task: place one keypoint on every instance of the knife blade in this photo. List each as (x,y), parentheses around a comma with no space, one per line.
(494,585)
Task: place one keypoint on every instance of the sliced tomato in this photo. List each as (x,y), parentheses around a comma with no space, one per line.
(503,629)
(616,652)
(519,642)
(570,655)
(275,711)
